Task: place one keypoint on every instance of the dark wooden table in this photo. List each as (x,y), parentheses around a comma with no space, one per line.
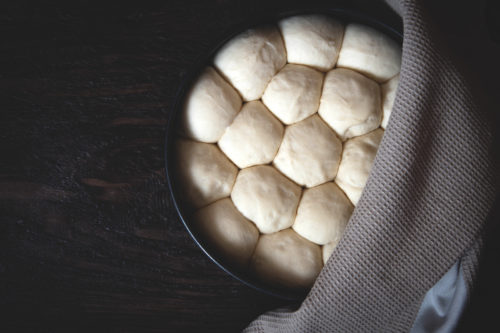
(88,238)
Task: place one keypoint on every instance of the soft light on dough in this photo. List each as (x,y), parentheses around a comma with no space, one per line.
(223,227)
(312,40)
(251,59)
(286,259)
(370,52)
(204,173)
(350,103)
(310,152)
(356,163)
(210,107)
(266,197)
(323,214)
(327,250)
(254,136)
(388,95)
(293,94)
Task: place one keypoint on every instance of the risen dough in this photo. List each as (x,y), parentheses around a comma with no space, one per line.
(293,94)
(254,136)
(205,173)
(266,197)
(228,231)
(328,250)
(388,96)
(350,103)
(210,107)
(310,152)
(250,60)
(286,259)
(312,40)
(323,214)
(370,52)
(357,159)
(258,218)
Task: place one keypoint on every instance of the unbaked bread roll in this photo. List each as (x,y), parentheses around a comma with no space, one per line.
(293,94)
(312,40)
(254,136)
(370,52)
(210,107)
(223,227)
(266,197)
(250,60)
(388,95)
(328,250)
(205,173)
(356,163)
(286,259)
(323,214)
(350,103)
(310,152)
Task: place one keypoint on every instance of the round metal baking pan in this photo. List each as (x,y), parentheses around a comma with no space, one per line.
(343,15)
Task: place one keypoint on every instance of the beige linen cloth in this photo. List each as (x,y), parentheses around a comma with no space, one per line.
(425,205)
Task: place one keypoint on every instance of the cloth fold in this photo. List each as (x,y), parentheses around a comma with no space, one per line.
(443,305)
(425,204)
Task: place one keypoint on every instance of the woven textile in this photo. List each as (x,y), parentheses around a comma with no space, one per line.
(424,206)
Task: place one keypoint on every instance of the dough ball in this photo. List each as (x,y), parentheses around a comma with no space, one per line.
(312,40)
(328,250)
(266,197)
(370,52)
(350,103)
(251,59)
(310,152)
(204,173)
(254,136)
(356,163)
(323,214)
(293,94)
(210,107)
(224,228)
(286,259)
(388,96)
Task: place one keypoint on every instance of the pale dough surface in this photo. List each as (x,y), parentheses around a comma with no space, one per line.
(266,197)
(251,59)
(223,226)
(388,95)
(312,40)
(254,136)
(350,103)
(302,174)
(293,94)
(286,259)
(205,173)
(357,160)
(210,107)
(310,152)
(327,250)
(323,214)
(370,52)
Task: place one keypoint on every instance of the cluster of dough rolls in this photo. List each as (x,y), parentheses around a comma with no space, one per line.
(277,139)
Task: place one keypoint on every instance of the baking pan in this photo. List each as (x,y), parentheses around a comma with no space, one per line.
(392,29)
